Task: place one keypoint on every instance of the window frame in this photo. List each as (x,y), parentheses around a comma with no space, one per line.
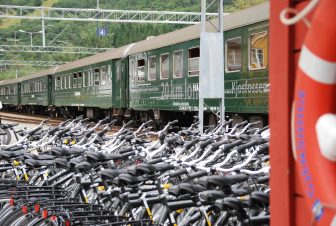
(79,75)
(148,68)
(141,78)
(109,74)
(62,81)
(249,50)
(118,72)
(226,54)
(94,76)
(74,78)
(103,77)
(85,78)
(65,82)
(194,47)
(167,53)
(41,86)
(180,50)
(57,83)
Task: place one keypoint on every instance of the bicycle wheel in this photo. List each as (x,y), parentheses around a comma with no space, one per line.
(5,136)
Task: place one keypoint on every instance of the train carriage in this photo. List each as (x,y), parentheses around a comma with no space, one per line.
(164,70)
(35,91)
(93,85)
(10,93)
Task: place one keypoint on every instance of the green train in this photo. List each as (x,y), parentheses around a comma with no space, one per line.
(155,78)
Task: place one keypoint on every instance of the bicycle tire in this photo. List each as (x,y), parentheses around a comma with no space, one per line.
(5,139)
(13,216)
(20,221)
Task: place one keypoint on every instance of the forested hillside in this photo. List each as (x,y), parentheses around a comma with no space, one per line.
(84,33)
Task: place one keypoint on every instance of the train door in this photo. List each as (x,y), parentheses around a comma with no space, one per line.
(124,83)
(50,90)
(18,94)
(116,84)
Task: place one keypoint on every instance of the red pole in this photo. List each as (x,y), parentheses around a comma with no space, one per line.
(282,73)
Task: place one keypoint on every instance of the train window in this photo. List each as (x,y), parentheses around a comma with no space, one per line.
(85,78)
(141,69)
(233,55)
(25,88)
(103,76)
(178,64)
(69,81)
(193,61)
(164,66)
(80,80)
(258,51)
(40,84)
(62,82)
(11,91)
(74,80)
(96,76)
(118,70)
(65,81)
(109,74)
(90,78)
(58,83)
(152,68)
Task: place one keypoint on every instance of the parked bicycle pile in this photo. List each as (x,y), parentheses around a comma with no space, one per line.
(74,174)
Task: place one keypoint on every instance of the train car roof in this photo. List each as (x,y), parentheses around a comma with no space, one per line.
(238,19)
(39,74)
(8,82)
(108,55)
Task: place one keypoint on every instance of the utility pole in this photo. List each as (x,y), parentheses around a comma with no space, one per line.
(43,29)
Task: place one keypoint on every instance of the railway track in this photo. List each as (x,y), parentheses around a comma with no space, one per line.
(24,118)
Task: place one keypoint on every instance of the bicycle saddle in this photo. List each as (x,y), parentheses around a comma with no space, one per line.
(60,151)
(222,180)
(231,203)
(11,154)
(33,163)
(83,166)
(99,157)
(111,173)
(38,157)
(188,188)
(129,179)
(260,198)
(61,163)
(211,195)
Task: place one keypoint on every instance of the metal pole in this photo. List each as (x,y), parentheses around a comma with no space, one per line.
(221,14)
(221,29)
(200,95)
(97,4)
(43,29)
(203,13)
(31,39)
